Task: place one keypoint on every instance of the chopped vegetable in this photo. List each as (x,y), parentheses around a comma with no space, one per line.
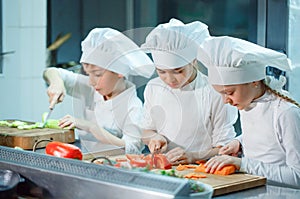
(17,123)
(181,167)
(196,188)
(4,123)
(63,150)
(226,170)
(160,161)
(168,172)
(194,176)
(52,124)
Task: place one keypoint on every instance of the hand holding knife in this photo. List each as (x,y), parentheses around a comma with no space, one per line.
(51,107)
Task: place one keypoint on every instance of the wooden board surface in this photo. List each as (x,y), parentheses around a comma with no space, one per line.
(221,184)
(25,139)
(229,183)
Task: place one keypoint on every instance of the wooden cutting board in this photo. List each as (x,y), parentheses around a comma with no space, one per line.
(25,139)
(221,184)
(230,183)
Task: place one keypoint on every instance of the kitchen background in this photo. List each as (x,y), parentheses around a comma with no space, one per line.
(28,27)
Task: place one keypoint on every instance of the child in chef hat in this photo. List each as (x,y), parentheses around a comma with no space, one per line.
(183,113)
(111,108)
(269,119)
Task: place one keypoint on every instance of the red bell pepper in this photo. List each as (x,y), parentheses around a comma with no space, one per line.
(63,150)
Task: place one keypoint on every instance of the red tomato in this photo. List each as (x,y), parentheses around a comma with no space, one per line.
(138,163)
(118,165)
(148,159)
(161,162)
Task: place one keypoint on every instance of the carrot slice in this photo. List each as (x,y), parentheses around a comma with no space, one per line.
(191,166)
(200,168)
(181,167)
(194,176)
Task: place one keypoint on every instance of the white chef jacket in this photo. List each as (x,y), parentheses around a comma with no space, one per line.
(271,140)
(120,115)
(193,117)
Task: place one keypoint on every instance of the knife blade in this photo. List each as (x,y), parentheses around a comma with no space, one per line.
(47,117)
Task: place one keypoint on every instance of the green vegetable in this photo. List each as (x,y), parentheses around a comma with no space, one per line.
(4,123)
(168,172)
(195,187)
(17,123)
(52,124)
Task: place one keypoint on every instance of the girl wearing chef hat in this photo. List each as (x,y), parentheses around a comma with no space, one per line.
(183,113)
(269,118)
(112,110)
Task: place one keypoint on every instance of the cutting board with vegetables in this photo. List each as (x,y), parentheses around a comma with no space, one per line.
(26,138)
(222,184)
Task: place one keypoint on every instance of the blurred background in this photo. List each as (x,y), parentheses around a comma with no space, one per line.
(41,33)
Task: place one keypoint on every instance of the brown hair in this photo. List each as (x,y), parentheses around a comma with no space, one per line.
(286,98)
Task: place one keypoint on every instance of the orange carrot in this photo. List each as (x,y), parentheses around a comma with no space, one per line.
(191,166)
(200,168)
(180,167)
(194,176)
(226,170)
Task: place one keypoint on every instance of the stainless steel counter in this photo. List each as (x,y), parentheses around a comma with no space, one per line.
(268,191)
(263,192)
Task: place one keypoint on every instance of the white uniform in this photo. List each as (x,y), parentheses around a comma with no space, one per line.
(271,140)
(120,116)
(193,117)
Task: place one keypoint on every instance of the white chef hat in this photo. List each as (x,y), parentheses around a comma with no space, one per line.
(175,44)
(235,61)
(112,50)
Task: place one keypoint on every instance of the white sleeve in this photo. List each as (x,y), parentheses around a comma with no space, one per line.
(131,129)
(76,85)
(223,117)
(289,136)
(147,122)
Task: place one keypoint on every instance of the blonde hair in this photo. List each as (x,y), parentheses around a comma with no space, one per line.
(278,94)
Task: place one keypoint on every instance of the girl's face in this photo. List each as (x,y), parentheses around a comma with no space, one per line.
(103,81)
(240,95)
(179,77)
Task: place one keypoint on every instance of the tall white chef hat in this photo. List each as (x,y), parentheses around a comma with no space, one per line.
(235,61)
(175,44)
(112,50)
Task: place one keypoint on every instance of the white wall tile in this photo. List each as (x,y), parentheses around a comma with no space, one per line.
(33,13)
(11,13)
(32,51)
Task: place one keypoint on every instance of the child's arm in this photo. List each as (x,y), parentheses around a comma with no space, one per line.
(100,133)
(179,156)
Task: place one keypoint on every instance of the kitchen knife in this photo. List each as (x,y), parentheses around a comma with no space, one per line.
(47,117)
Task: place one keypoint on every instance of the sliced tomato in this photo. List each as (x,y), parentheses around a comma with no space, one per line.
(148,159)
(138,163)
(161,162)
(118,165)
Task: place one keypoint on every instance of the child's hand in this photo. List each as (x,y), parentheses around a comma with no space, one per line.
(158,143)
(67,122)
(56,93)
(217,162)
(178,156)
(231,148)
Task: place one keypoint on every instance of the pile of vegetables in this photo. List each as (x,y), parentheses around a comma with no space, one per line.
(51,123)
